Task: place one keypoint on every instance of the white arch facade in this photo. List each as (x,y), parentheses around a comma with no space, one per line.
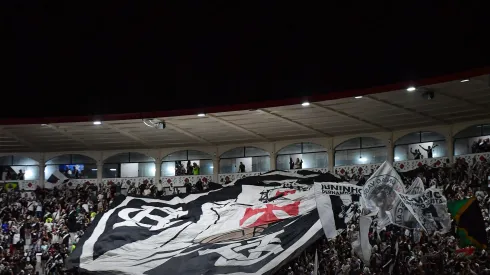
(329,143)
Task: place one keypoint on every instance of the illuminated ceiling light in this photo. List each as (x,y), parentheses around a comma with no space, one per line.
(305,104)
(201,115)
(113,169)
(97,122)
(357,97)
(465,80)
(397,158)
(411,89)
(362,159)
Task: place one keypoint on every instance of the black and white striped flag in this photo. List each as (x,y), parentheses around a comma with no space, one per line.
(337,203)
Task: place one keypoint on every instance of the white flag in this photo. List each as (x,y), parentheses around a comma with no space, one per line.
(379,192)
(364,225)
(429,209)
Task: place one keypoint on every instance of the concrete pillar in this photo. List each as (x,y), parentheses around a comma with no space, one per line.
(450,147)
(331,160)
(100,165)
(273,161)
(158,170)
(391,150)
(42,167)
(216,169)
(331,157)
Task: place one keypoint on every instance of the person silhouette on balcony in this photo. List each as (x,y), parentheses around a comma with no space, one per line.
(291,164)
(298,164)
(195,169)
(241,168)
(416,154)
(20,176)
(429,150)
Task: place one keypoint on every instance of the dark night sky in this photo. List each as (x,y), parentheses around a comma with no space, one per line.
(120,57)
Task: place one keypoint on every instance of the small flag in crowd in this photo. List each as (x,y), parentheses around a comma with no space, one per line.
(57,177)
(469,221)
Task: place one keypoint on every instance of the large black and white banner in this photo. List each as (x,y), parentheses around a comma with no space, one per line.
(337,204)
(429,209)
(251,227)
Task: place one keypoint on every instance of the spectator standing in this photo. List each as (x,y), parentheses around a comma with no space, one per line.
(429,150)
(188,187)
(291,164)
(241,168)
(298,164)
(195,169)
(4,174)
(20,175)
(189,168)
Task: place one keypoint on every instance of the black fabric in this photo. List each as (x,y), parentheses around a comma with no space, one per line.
(472,222)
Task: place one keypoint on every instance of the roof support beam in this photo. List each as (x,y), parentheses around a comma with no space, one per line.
(484,107)
(234,126)
(291,122)
(337,112)
(19,139)
(187,133)
(68,134)
(373,98)
(127,134)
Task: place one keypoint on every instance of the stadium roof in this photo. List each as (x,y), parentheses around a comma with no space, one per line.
(458,100)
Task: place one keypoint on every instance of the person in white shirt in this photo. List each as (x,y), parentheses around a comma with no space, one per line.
(4,174)
(159,188)
(39,210)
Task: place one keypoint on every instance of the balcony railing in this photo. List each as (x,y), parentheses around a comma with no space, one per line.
(177,182)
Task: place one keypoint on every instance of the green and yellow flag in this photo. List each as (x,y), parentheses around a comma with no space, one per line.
(469,222)
(11,186)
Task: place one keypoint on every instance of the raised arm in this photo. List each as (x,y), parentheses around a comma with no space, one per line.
(423,148)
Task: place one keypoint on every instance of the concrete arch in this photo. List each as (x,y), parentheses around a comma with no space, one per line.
(124,152)
(268,147)
(221,154)
(443,130)
(77,153)
(279,149)
(469,126)
(458,127)
(34,156)
(211,151)
(437,132)
(175,151)
(385,137)
(338,142)
(90,154)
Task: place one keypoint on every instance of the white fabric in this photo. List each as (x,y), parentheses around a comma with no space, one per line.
(379,192)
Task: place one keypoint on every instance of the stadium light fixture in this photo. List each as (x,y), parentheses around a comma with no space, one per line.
(411,89)
(358,97)
(201,115)
(465,80)
(97,122)
(305,104)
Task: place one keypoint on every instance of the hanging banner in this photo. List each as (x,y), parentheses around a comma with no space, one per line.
(337,203)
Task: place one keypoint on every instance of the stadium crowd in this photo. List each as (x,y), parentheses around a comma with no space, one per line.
(430,254)
(39,229)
